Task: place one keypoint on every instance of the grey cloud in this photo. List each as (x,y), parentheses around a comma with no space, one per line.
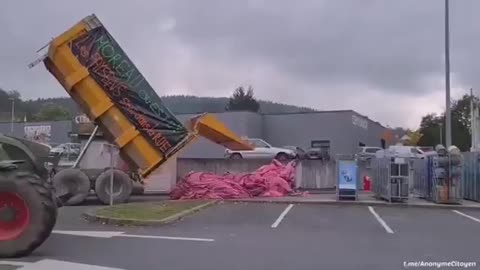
(390,44)
(311,46)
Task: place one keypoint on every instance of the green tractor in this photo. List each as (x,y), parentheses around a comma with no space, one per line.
(28,209)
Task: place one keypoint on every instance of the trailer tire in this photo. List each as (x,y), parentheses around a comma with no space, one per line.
(35,213)
(122,186)
(72,186)
(138,188)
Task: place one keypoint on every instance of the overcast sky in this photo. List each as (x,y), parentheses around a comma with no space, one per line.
(384,59)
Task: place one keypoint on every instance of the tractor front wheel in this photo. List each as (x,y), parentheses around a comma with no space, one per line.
(27,213)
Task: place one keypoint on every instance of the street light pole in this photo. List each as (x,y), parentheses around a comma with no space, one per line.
(448,114)
(441,133)
(13,115)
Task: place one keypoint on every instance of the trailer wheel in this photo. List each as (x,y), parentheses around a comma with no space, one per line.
(137,188)
(27,213)
(71,186)
(122,186)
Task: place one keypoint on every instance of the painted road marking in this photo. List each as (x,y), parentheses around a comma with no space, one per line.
(380,220)
(282,215)
(48,264)
(169,237)
(467,216)
(107,234)
(97,234)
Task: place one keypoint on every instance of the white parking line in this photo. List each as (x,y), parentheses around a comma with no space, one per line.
(282,215)
(105,234)
(467,216)
(380,220)
(48,264)
(168,237)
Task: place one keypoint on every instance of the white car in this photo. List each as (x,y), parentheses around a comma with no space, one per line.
(66,148)
(262,150)
(367,152)
(401,151)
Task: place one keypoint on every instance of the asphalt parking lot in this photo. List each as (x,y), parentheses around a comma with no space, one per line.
(265,236)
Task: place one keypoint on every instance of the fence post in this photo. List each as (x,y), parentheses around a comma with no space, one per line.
(111,174)
(112,149)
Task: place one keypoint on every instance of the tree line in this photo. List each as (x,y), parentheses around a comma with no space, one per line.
(432,126)
(63,108)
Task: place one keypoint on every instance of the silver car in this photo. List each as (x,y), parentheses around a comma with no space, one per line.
(261,150)
(367,152)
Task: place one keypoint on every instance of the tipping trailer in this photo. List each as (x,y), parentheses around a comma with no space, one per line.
(103,81)
(112,92)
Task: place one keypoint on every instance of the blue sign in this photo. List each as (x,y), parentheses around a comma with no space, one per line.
(347,174)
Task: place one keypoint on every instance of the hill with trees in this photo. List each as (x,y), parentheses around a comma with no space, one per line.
(62,108)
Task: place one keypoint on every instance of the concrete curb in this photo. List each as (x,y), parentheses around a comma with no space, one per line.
(370,203)
(92,216)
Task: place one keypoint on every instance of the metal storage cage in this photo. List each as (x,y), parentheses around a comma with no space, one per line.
(443,179)
(390,178)
(471,176)
(421,180)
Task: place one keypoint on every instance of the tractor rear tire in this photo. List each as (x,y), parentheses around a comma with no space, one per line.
(122,186)
(27,213)
(72,184)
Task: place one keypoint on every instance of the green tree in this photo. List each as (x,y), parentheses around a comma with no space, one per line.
(461,134)
(14,94)
(430,127)
(5,103)
(52,112)
(242,100)
(414,137)
(433,126)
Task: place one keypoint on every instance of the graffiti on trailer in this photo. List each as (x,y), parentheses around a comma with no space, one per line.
(127,88)
(160,141)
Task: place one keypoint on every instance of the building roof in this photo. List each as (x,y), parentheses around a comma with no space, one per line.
(330,111)
(290,113)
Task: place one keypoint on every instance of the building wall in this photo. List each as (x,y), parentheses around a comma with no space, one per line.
(364,130)
(58,129)
(344,129)
(300,129)
(242,123)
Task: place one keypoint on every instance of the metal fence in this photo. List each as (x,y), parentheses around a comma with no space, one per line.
(315,174)
(390,178)
(471,176)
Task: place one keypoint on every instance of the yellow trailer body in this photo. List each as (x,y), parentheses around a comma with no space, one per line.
(104,82)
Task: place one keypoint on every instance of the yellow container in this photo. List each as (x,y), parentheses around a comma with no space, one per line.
(135,147)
